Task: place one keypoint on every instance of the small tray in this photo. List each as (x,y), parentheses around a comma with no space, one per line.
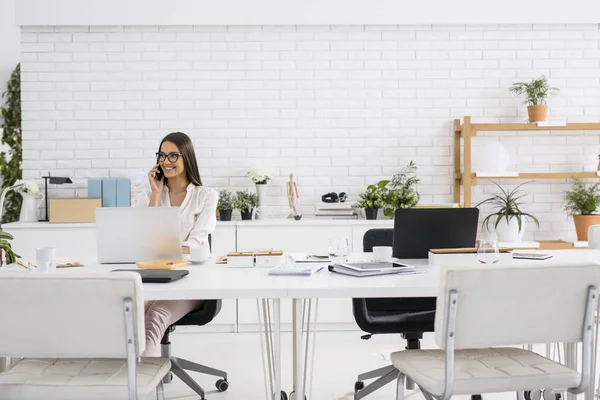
(162,264)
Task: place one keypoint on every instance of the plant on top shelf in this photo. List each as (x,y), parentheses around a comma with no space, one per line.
(536,92)
(582,201)
(400,190)
(507,214)
(372,199)
(225,205)
(245,201)
(259,177)
(6,247)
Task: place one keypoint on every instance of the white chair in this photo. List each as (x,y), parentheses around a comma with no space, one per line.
(479,308)
(77,336)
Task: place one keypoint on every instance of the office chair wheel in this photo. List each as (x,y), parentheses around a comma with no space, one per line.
(222,385)
(476,397)
(293,396)
(358,385)
(532,394)
(550,395)
(284,395)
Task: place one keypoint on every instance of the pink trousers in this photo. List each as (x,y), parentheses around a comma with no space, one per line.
(160,315)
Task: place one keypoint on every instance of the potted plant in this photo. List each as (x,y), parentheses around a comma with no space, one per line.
(372,199)
(225,205)
(536,93)
(581,201)
(261,179)
(400,191)
(245,202)
(5,247)
(507,215)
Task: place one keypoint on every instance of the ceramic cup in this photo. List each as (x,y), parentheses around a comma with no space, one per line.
(45,259)
(382,253)
(199,254)
(594,237)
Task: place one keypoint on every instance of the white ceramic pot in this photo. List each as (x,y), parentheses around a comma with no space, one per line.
(261,191)
(509,232)
(594,237)
(29,207)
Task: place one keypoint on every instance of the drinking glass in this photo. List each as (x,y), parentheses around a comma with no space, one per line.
(338,249)
(487,252)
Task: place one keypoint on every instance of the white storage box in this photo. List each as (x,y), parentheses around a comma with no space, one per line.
(464,258)
(268,260)
(240,260)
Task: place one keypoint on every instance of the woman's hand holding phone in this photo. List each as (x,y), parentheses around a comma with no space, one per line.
(156,178)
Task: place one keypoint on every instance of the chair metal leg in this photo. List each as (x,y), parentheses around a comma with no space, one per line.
(520,395)
(400,387)
(378,384)
(160,392)
(192,366)
(376,373)
(181,374)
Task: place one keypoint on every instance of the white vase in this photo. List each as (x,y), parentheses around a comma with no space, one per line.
(509,232)
(261,190)
(29,207)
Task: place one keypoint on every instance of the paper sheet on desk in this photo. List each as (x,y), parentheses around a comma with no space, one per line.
(60,263)
(302,270)
(309,258)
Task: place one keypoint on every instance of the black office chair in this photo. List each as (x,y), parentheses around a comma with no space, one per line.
(202,316)
(410,317)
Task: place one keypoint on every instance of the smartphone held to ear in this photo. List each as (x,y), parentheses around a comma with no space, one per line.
(159,175)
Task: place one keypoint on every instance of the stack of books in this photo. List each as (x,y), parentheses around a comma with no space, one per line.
(346,210)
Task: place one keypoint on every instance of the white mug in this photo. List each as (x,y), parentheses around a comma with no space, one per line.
(199,254)
(382,253)
(46,259)
(594,237)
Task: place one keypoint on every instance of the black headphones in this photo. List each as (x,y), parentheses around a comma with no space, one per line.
(334,198)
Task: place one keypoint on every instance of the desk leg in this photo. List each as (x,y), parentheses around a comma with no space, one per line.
(571,362)
(277,347)
(298,356)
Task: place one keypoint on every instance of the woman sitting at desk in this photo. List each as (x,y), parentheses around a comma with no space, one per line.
(175,181)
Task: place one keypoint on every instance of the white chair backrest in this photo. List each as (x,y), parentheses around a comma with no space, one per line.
(69,314)
(516,304)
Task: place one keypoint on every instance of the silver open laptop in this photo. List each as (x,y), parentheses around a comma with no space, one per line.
(129,235)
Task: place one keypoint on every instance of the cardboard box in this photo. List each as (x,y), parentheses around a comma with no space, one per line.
(73,210)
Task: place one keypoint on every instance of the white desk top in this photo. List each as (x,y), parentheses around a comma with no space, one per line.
(210,281)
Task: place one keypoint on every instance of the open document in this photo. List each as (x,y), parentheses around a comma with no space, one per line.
(371,268)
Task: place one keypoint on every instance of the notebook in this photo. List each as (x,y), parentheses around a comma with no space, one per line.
(371,268)
(531,256)
(302,270)
(158,275)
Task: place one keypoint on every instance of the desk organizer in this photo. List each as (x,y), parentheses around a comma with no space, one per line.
(240,260)
(261,258)
(268,258)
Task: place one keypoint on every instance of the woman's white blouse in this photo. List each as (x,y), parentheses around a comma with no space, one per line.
(197,212)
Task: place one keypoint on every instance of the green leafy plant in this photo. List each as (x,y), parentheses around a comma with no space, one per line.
(245,200)
(373,197)
(400,190)
(582,198)
(225,200)
(11,149)
(535,91)
(5,246)
(506,204)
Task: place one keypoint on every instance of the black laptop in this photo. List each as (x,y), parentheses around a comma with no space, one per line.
(158,275)
(417,230)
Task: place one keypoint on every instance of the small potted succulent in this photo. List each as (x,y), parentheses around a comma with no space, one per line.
(245,201)
(536,93)
(508,217)
(582,201)
(225,205)
(373,199)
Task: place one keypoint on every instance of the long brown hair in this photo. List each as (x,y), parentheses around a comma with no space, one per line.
(186,147)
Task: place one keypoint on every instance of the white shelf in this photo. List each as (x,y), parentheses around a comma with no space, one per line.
(488,174)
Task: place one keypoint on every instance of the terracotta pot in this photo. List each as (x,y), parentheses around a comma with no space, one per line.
(537,113)
(582,224)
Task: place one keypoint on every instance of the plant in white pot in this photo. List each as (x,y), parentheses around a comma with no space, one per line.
(582,201)
(536,93)
(507,214)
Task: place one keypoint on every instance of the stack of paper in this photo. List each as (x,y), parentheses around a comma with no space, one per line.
(304,270)
(346,210)
(371,268)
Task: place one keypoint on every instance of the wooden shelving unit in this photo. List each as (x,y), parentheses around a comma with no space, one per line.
(468,178)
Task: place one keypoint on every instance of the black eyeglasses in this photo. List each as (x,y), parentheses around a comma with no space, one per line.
(173,157)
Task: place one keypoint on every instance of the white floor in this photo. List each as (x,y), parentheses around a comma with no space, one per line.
(339,357)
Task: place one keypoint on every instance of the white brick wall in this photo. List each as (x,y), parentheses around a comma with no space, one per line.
(340,106)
